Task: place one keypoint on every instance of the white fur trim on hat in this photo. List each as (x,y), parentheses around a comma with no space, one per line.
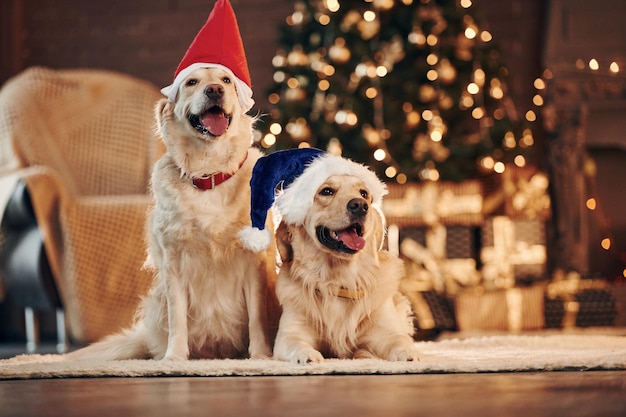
(296,200)
(244,92)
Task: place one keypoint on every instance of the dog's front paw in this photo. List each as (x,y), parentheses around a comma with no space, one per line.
(363,354)
(176,355)
(403,354)
(173,357)
(260,351)
(306,356)
(261,355)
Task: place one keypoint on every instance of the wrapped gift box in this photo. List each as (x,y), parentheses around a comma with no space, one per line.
(513,309)
(434,312)
(513,251)
(447,255)
(460,241)
(435,226)
(526,193)
(432,203)
(579,303)
(519,192)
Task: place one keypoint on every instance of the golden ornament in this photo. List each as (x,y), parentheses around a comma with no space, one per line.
(338,52)
(447,72)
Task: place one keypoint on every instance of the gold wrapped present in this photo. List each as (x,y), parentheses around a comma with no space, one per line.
(512,309)
(575,302)
(526,191)
(513,250)
(432,203)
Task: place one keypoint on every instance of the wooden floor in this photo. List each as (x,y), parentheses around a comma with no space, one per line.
(571,394)
(528,394)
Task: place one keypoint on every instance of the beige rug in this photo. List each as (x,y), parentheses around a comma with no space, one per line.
(508,353)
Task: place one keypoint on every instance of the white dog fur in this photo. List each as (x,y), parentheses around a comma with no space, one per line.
(210,297)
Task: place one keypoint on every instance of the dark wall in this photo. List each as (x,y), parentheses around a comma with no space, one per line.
(518,27)
(147,38)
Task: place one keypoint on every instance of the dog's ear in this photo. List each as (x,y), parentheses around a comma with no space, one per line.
(283,242)
(162,108)
(378,229)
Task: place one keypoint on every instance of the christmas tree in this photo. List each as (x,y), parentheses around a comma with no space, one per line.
(413,88)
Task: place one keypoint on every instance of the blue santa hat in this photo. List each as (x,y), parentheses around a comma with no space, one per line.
(289,180)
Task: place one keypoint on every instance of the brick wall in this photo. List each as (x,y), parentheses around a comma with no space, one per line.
(147,38)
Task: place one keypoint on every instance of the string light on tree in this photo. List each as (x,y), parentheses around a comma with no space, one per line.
(413,88)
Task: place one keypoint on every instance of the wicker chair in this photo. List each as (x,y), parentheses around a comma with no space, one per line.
(83,143)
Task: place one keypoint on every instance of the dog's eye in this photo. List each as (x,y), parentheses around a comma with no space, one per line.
(365,194)
(327,191)
(191,81)
(226,80)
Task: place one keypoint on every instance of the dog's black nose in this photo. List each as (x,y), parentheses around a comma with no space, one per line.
(214,91)
(358,206)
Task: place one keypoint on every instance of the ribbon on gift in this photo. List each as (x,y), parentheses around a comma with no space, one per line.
(527,196)
(565,287)
(499,259)
(420,255)
(412,290)
(445,275)
(523,193)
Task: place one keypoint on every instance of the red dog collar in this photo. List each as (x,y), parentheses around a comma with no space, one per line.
(211,181)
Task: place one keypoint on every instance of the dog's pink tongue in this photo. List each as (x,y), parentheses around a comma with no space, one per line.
(351,239)
(215,122)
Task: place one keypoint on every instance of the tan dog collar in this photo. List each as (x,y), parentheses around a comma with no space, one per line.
(343,292)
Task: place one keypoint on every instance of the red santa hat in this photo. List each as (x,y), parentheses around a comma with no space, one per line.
(217,45)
